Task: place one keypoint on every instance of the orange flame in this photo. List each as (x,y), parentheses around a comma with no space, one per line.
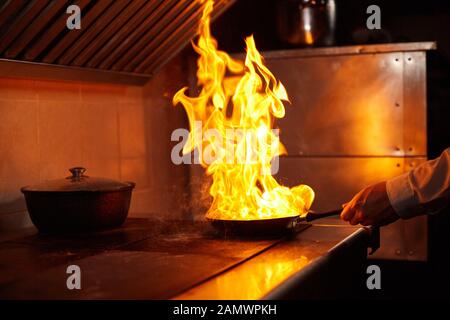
(239,102)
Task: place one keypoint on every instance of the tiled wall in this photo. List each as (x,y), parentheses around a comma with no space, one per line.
(116,131)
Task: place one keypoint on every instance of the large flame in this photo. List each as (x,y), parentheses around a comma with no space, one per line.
(239,102)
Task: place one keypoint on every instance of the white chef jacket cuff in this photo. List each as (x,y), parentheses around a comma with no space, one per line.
(401,196)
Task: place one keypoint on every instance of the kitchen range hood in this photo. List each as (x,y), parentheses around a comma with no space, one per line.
(123,41)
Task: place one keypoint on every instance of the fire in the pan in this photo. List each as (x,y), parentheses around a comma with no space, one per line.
(236,108)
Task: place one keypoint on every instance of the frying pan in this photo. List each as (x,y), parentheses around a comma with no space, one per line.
(268,227)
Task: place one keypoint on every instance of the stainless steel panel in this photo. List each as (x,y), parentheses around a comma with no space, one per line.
(358,116)
(404,240)
(354,120)
(350,105)
(414,103)
(351,50)
(336,180)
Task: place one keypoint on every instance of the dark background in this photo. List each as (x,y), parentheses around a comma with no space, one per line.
(401,21)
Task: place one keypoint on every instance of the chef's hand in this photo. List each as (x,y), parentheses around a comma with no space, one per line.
(370,206)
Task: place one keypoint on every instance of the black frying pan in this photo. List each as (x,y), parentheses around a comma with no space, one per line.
(265,227)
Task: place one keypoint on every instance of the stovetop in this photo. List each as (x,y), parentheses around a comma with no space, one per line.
(148,259)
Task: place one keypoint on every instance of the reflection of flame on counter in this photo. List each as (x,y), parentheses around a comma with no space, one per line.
(262,278)
(251,280)
(236,108)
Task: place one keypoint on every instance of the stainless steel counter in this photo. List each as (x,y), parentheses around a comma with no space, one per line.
(147,259)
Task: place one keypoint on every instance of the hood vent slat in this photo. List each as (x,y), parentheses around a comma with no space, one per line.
(131,37)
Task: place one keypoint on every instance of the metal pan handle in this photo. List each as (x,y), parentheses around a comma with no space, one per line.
(311,215)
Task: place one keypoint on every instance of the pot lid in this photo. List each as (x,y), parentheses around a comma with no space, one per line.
(78,181)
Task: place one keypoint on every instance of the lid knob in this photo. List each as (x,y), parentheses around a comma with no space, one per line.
(77,172)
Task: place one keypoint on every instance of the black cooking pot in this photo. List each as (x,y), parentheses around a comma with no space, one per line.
(78,203)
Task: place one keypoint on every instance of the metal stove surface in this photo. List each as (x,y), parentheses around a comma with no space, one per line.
(144,259)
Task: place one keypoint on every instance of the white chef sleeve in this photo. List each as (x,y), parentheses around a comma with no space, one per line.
(423,190)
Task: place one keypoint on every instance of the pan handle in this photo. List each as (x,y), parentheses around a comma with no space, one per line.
(311,216)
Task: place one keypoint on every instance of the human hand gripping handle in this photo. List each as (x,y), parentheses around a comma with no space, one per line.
(370,206)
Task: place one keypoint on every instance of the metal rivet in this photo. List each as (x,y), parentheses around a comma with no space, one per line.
(398,252)
(409,59)
(398,165)
(397,104)
(396,59)
(411,252)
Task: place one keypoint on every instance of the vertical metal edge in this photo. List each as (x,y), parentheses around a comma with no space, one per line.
(404,239)
(414,103)
(415,141)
